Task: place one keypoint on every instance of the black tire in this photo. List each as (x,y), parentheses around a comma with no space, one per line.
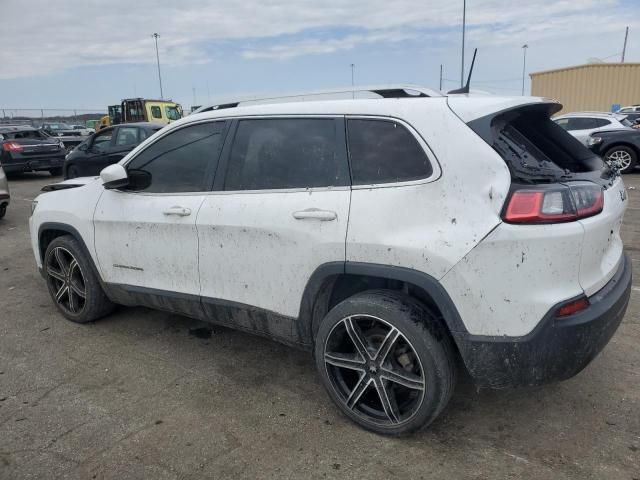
(72,172)
(421,356)
(625,152)
(3,211)
(55,172)
(62,273)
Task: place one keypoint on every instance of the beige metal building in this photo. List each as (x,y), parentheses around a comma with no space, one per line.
(592,87)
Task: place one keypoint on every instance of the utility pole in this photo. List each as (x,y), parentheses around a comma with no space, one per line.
(155,36)
(440,77)
(464,23)
(624,48)
(524,65)
(353,91)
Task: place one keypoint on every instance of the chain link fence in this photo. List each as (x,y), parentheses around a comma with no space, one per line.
(37,116)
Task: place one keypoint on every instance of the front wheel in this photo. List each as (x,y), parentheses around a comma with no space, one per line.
(624,157)
(72,282)
(386,362)
(3,211)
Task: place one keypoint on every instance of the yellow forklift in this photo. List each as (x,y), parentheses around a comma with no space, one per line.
(142,110)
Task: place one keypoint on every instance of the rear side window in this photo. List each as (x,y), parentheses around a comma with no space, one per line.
(286,153)
(179,162)
(534,147)
(384,151)
(601,122)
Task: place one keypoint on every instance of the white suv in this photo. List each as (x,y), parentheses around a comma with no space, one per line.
(398,238)
(582,124)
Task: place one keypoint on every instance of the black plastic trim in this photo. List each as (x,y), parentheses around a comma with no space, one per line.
(557,349)
(420,279)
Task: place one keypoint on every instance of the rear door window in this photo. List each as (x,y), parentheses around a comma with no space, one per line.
(581,123)
(384,151)
(601,122)
(127,136)
(286,153)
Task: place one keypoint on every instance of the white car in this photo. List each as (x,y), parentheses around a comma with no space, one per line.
(5,195)
(582,124)
(397,238)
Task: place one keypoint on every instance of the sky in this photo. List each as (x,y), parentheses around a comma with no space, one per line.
(86,54)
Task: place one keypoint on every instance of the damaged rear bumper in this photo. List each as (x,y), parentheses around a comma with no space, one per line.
(557,349)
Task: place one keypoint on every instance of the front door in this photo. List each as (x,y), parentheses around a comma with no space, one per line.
(279,213)
(145,235)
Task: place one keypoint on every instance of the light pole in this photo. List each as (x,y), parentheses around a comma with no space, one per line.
(353,91)
(464,24)
(524,64)
(155,36)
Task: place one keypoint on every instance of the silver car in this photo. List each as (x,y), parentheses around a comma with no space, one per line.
(582,124)
(4,193)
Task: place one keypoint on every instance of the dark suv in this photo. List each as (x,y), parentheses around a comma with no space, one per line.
(106,147)
(26,149)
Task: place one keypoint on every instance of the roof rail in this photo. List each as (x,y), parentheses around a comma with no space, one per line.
(347,93)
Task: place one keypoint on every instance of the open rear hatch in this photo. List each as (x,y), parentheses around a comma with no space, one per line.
(555,179)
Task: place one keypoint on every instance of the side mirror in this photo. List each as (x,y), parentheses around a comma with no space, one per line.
(114,176)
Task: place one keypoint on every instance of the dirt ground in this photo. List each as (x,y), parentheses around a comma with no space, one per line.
(146,394)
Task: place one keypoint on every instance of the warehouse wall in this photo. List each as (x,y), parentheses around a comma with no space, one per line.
(590,87)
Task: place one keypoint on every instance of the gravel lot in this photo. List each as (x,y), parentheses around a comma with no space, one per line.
(145,394)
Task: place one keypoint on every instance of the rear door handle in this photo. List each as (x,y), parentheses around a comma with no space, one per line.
(316,214)
(179,211)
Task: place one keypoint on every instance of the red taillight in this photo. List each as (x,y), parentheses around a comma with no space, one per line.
(12,147)
(554,204)
(573,307)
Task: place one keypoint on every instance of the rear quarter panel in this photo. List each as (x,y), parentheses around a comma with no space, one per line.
(430,225)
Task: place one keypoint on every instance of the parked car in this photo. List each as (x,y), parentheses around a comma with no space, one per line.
(26,149)
(65,130)
(72,137)
(393,238)
(621,147)
(582,124)
(108,146)
(5,195)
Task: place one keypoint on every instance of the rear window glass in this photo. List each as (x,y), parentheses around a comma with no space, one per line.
(384,151)
(17,135)
(534,147)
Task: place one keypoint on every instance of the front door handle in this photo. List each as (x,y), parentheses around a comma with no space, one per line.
(316,214)
(179,211)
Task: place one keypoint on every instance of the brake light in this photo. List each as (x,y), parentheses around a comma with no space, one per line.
(573,307)
(12,147)
(554,204)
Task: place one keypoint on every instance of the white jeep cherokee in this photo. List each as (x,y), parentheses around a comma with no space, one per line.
(397,237)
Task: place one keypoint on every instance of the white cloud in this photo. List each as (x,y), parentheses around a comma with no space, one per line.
(47,37)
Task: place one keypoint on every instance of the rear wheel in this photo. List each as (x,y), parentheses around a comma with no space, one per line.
(385,361)
(624,157)
(56,172)
(72,283)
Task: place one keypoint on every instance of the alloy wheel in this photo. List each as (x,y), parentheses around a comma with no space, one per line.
(374,370)
(66,280)
(621,158)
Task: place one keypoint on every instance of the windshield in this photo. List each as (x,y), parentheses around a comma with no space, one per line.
(172,113)
(626,122)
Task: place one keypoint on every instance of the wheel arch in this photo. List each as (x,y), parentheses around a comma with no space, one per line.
(49,231)
(333,282)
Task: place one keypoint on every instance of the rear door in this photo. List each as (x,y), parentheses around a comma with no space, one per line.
(126,138)
(146,236)
(279,211)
